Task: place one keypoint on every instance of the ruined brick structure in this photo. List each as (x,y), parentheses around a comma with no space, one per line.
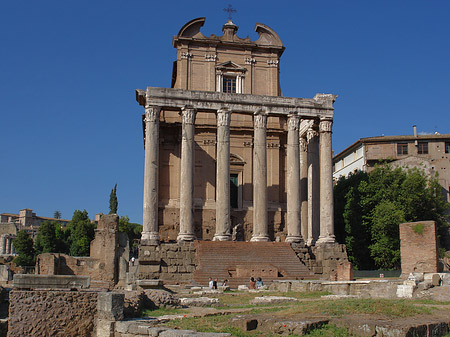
(418,247)
(108,260)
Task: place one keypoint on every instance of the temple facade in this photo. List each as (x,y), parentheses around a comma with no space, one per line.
(227,157)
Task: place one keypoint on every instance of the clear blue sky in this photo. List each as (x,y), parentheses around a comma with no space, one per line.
(70,125)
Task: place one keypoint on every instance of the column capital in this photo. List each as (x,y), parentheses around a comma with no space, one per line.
(260,120)
(325,125)
(188,114)
(293,122)
(223,117)
(311,133)
(152,113)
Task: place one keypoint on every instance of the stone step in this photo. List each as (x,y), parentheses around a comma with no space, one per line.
(269,260)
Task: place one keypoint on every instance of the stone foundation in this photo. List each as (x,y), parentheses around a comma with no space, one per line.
(52,313)
(175,263)
(170,262)
(322,260)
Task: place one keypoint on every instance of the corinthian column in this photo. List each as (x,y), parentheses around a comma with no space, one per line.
(260,220)
(150,217)
(187,176)
(313,185)
(293,181)
(223,227)
(326,184)
(304,186)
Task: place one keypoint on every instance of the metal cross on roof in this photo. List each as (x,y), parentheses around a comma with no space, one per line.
(230,10)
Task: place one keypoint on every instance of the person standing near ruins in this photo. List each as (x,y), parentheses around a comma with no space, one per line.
(259,283)
(211,283)
(252,283)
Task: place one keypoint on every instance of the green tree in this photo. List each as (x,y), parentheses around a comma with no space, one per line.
(370,208)
(50,238)
(348,219)
(79,233)
(24,248)
(385,247)
(133,230)
(57,215)
(113,203)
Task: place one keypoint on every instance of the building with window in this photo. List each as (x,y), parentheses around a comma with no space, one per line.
(26,220)
(428,152)
(225,150)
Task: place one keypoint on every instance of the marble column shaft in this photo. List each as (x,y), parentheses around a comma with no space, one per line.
(150,234)
(326,184)
(187,175)
(313,186)
(260,217)
(304,187)
(223,225)
(293,181)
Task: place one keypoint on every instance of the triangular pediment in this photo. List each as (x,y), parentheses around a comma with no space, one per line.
(230,65)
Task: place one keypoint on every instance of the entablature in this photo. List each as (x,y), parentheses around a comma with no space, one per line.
(321,106)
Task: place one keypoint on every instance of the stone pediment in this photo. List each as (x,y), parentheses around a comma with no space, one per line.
(267,36)
(236,160)
(230,66)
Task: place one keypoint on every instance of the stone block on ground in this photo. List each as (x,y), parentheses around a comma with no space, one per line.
(272,300)
(199,301)
(157,298)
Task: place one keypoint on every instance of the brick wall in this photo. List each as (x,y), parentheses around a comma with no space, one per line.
(418,247)
(52,313)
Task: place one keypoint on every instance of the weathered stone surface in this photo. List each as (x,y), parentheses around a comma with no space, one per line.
(160,298)
(110,306)
(436,280)
(28,281)
(52,313)
(199,301)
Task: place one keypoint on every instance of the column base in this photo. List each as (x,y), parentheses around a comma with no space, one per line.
(310,242)
(330,239)
(150,238)
(257,238)
(222,237)
(294,239)
(185,237)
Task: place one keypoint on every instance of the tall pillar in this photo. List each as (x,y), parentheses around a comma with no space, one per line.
(293,181)
(8,244)
(150,234)
(223,226)
(260,219)
(326,184)
(313,185)
(3,244)
(187,175)
(304,187)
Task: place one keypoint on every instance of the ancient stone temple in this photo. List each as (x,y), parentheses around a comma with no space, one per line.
(227,157)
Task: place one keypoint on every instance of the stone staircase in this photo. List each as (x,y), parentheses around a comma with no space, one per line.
(238,261)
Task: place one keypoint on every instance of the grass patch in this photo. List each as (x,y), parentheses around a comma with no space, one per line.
(162,312)
(326,308)
(418,228)
(337,308)
(242,299)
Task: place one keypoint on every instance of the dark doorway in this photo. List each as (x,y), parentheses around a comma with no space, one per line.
(234,190)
